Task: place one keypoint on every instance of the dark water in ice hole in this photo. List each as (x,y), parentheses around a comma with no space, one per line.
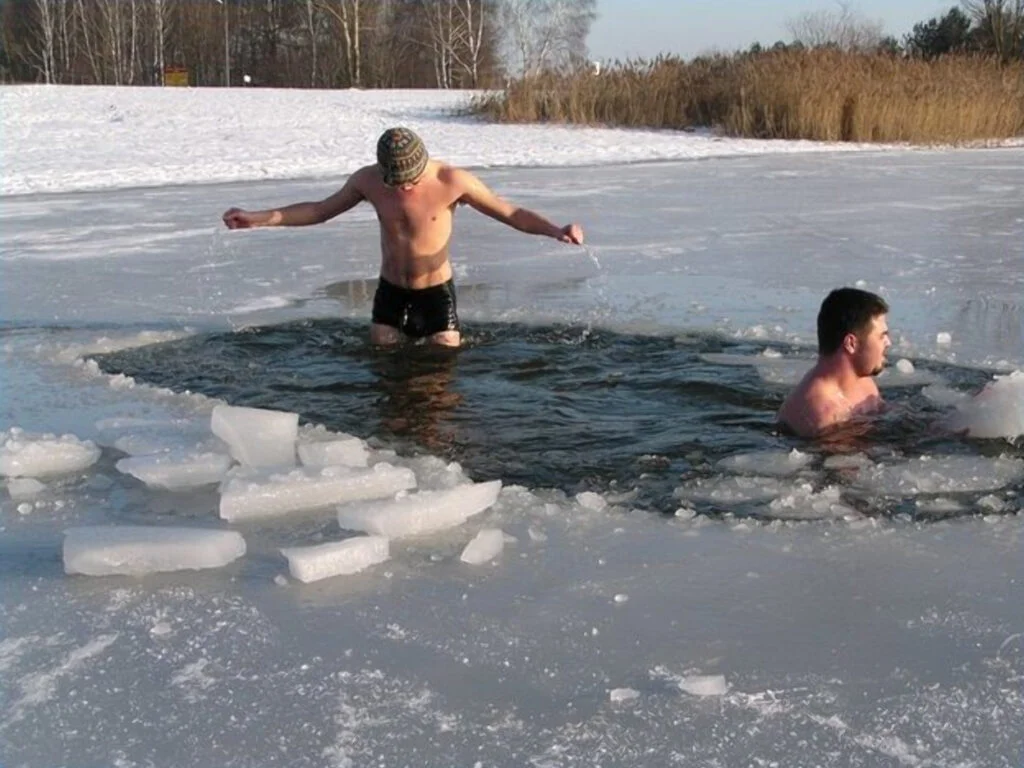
(562,407)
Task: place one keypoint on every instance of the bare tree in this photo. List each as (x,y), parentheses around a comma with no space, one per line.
(842,28)
(347,15)
(1002,22)
(546,34)
(44,50)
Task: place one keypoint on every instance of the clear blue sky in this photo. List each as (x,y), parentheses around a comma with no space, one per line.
(645,28)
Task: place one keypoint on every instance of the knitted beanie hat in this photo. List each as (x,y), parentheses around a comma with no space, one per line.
(401,156)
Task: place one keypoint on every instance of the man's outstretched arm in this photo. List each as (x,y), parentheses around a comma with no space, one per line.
(298,214)
(476,194)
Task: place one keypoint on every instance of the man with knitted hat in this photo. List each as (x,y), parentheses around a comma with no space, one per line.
(415,199)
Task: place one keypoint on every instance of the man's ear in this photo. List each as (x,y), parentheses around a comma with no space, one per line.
(850,343)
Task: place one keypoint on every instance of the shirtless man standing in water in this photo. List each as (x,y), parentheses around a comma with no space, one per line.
(415,199)
(853,336)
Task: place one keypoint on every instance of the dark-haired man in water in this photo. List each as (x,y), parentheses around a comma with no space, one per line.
(415,199)
(853,336)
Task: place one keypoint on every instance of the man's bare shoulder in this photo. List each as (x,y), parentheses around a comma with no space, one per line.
(813,406)
(452,175)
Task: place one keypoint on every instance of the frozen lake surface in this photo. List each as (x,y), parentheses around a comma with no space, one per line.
(611,629)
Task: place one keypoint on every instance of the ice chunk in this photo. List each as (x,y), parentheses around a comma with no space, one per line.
(704,685)
(176,471)
(24,488)
(904,366)
(484,547)
(943,338)
(335,558)
(257,437)
(774,463)
(137,549)
(591,500)
(940,394)
(255,494)
(940,474)
(422,512)
(24,455)
(623,694)
(996,411)
(940,505)
(348,452)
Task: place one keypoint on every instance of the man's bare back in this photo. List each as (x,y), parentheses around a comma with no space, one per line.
(416,218)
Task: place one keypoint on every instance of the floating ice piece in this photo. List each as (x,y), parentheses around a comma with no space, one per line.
(940,394)
(939,506)
(484,547)
(335,558)
(943,338)
(704,685)
(257,437)
(731,490)
(996,411)
(802,502)
(774,463)
(623,694)
(422,512)
(21,488)
(254,494)
(904,366)
(136,549)
(847,461)
(346,452)
(24,455)
(176,471)
(940,474)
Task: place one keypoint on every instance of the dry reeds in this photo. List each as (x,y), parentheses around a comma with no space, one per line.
(823,95)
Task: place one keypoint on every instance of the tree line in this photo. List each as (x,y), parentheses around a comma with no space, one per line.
(986,27)
(291,43)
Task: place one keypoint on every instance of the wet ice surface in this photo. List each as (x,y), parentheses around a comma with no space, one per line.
(883,633)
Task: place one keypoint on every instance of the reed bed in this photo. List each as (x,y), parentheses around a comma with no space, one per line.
(825,95)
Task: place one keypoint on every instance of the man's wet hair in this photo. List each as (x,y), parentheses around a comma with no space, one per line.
(846,310)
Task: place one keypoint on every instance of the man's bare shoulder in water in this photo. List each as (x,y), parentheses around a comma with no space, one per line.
(853,336)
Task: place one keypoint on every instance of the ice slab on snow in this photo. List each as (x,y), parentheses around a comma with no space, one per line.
(177,471)
(24,455)
(21,488)
(417,513)
(774,463)
(484,547)
(335,558)
(253,494)
(136,549)
(940,474)
(704,685)
(996,411)
(257,437)
(348,452)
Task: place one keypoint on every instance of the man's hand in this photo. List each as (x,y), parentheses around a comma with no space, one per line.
(236,218)
(572,233)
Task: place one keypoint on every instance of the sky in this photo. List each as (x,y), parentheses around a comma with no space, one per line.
(645,28)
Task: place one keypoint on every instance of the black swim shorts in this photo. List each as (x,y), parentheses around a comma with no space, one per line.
(416,313)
